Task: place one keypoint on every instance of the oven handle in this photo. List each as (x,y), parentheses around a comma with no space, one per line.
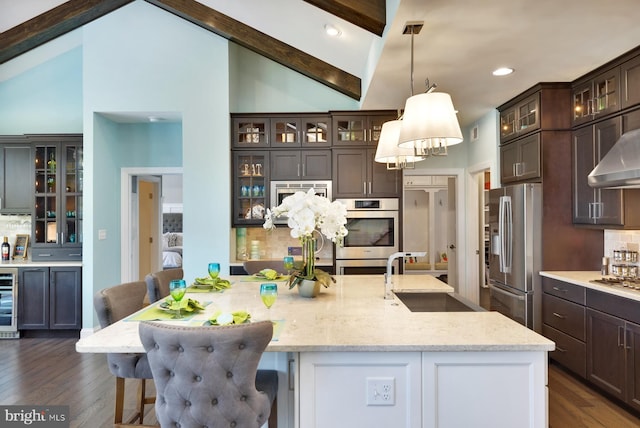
(506,293)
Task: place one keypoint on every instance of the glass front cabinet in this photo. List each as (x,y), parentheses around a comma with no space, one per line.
(57,219)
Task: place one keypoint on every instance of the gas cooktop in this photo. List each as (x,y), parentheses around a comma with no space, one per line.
(629,283)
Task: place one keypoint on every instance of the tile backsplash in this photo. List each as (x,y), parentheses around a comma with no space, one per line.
(12,225)
(274,244)
(621,240)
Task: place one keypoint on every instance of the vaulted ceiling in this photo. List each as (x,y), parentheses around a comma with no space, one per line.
(459,46)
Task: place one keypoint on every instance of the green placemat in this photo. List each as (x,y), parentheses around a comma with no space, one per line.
(154,313)
(260,279)
(192,289)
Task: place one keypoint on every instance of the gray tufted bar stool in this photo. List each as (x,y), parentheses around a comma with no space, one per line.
(113,304)
(209,377)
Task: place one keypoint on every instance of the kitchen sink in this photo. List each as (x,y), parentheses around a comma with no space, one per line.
(437,302)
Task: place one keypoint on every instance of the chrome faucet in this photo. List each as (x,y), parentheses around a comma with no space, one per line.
(388,281)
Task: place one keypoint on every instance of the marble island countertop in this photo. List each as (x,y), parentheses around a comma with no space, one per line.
(351,315)
(584,278)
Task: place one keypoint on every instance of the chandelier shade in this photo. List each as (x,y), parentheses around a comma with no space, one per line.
(388,151)
(429,124)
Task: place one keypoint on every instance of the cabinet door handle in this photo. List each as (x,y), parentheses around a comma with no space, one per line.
(304,173)
(369,187)
(599,210)
(627,339)
(620,336)
(559,349)
(364,187)
(514,172)
(555,314)
(560,290)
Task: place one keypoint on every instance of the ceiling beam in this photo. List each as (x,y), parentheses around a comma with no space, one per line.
(45,27)
(75,13)
(264,45)
(368,14)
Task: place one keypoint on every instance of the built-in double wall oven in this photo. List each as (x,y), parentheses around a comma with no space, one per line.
(373,236)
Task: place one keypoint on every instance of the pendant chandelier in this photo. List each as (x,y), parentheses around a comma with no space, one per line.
(428,126)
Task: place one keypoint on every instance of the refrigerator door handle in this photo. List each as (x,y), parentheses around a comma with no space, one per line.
(505,230)
(506,293)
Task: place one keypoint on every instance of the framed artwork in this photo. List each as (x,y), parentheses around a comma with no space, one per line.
(20,247)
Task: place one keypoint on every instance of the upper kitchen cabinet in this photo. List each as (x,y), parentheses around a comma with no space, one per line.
(534,126)
(610,208)
(359,129)
(596,96)
(16,195)
(357,175)
(300,131)
(300,164)
(57,214)
(630,82)
(519,117)
(520,160)
(250,132)
(250,187)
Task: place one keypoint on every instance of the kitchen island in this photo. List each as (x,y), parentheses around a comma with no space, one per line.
(337,351)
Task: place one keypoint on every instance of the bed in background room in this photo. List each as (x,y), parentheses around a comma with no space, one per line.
(171,240)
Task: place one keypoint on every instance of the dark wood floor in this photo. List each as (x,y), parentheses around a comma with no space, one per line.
(51,372)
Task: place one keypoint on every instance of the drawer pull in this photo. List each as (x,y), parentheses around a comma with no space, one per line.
(559,349)
(621,338)
(560,290)
(555,314)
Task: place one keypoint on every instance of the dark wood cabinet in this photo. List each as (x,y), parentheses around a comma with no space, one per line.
(250,191)
(300,131)
(596,96)
(357,175)
(520,160)
(359,129)
(630,81)
(520,117)
(613,345)
(16,188)
(563,318)
(613,208)
(250,132)
(58,207)
(300,164)
(49,298)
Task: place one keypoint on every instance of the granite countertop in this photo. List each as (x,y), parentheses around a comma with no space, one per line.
(583,278)
(29,263)
(351,315)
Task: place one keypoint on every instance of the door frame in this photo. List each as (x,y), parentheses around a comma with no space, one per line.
(474,226)
(129,216)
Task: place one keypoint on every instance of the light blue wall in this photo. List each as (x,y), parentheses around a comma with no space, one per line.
(44,99)
(258,84)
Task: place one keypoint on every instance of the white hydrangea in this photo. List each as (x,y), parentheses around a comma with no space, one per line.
(308,212)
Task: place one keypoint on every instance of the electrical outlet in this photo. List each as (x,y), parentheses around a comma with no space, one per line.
(381,391)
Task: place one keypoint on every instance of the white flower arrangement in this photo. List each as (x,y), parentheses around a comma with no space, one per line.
(308,212)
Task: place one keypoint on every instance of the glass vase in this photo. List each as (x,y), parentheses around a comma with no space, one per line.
(309,257)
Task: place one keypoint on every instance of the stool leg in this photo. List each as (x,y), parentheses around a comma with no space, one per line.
(141,399)
(119,400)
(273,416)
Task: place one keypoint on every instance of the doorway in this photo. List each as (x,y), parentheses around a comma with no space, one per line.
(133,221)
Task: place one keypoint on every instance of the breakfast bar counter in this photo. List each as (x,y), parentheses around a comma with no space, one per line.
(351,358)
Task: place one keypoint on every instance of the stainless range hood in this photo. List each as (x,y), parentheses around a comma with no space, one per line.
(620,168)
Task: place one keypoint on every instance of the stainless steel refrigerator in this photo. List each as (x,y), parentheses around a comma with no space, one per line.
(515,253)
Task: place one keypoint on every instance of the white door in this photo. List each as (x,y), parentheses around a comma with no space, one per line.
(452,258)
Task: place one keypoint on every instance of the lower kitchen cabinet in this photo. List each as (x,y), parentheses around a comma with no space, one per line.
(613,346)
(49,298)
(563,321)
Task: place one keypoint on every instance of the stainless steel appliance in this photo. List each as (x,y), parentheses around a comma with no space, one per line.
(282,189)
(373,236)
(515,224)
(8,303)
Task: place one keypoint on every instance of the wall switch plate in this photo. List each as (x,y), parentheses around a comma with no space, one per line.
(381,391)
(102,234)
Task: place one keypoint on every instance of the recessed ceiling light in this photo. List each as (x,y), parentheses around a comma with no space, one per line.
(332,31)
(502,71)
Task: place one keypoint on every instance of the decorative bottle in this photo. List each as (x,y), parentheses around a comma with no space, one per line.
(6,249)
